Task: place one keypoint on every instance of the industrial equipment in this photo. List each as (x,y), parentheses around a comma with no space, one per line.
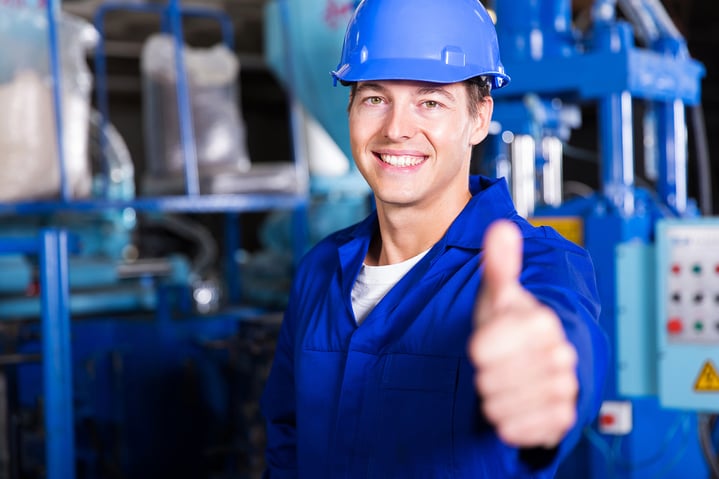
(618,66)
(157,374)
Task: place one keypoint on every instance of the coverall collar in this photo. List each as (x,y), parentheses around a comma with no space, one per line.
(490,200)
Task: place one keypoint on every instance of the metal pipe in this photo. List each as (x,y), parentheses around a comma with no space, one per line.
(662,19)
(645,27)
(649,141)
(672,155)
(617,151)
(145,267)
(552,170)
(523,177)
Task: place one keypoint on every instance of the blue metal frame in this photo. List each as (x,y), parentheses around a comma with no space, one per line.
(52,248)
(546,59)
(56,349)
(200,204)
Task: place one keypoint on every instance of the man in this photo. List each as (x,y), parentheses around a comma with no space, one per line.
(421,342)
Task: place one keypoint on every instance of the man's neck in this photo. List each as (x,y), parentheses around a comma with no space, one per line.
(406,231)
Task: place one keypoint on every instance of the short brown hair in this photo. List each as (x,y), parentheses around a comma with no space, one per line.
(478,88)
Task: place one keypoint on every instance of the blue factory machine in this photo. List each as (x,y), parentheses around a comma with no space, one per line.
(114,363)
(649,244)
(627,70)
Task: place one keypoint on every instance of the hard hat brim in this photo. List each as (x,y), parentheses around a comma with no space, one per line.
(414,70)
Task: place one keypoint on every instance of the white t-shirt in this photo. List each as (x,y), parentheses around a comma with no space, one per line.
(374,282)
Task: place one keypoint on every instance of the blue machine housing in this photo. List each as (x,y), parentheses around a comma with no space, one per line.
(549,60)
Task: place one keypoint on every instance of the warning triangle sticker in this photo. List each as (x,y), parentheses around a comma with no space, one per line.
(708,379)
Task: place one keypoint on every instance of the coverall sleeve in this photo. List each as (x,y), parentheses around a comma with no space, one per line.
(278,403)
(562,277)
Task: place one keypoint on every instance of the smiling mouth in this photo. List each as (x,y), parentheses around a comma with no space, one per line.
(401,161)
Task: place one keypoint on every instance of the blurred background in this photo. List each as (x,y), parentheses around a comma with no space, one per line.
(166,164)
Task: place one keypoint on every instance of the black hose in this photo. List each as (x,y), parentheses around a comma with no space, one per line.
(703,161)
(191,230)
(705,428)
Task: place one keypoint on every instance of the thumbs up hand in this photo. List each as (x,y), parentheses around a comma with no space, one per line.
(525,367)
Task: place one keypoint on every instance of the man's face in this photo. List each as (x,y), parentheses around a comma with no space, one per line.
(412,141)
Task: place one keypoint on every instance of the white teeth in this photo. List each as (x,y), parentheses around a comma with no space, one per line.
(402,161)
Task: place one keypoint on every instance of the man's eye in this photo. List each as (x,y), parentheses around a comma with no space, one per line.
(431,104)
(374,100)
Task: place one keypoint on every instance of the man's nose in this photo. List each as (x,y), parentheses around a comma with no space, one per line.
(399,124)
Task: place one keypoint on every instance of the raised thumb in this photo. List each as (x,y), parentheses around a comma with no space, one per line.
(502,261)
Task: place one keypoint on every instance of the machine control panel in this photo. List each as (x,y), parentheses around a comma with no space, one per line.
(690,290)
(687,313)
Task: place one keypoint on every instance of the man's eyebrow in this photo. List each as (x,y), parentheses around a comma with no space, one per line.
(436,89)
(370,86)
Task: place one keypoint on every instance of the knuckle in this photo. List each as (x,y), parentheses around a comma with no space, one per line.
(563,417)
(545,324)
(563,357)
(571,354)
(566,418)
(564,387)
(509,434)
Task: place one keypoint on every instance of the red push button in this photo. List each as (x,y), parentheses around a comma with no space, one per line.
(607,420)
(675,326)
(676,269)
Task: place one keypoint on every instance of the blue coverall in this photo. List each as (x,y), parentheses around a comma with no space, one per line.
(395,397)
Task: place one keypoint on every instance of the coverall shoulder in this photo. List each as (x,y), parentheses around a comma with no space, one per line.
(395,396)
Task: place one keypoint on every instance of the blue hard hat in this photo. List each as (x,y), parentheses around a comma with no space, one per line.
(440,41)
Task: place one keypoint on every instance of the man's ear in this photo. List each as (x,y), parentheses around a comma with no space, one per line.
(481,123)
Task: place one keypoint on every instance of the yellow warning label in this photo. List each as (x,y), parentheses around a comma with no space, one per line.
(571,227)
(708,379)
